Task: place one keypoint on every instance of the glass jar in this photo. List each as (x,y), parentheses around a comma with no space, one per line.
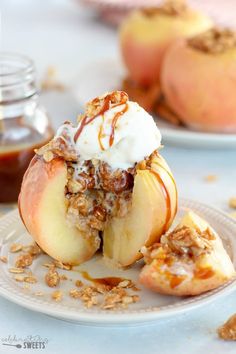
(24,125)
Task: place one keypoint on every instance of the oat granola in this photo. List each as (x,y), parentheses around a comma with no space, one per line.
(214,41)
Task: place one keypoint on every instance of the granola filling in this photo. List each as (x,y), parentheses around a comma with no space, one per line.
(184,243)
(95,192)
(214,41)
(169,8)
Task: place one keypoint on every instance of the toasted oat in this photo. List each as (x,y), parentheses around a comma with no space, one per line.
(19,278)
(124,284)
(76,294)
(57,295)
(61,265)
(228,330)
(24,260)
(30,279)
(48,156)
(16,270)
(52,277)
(232,203)
(210,178)
(33,249)
(16,247)
(3,259)
(48,265)
(79,283)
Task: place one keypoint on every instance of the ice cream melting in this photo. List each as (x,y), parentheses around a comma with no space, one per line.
(119,133)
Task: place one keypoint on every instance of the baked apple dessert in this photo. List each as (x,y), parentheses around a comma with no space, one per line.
(188,261)
(102,182)
(198,80)
(146,34)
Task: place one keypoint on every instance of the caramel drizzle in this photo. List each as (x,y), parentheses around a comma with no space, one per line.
(100,133)
(172,178)
(113,124)
(106,106)
(167,198)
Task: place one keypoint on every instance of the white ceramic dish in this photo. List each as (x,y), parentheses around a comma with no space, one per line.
(152,306)
(107,75)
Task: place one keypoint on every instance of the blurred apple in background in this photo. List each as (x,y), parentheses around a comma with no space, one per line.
(199,80)
(146,34)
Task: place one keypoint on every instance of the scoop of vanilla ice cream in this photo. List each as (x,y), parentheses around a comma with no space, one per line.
(136,136)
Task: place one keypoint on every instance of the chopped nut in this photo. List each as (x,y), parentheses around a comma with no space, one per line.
(232,202)
(57,295)
(15,247)
(52,277)
(16,270)
(24,260)
(3,259)
(79,283)
(30,279)
(210,178)
(228,330)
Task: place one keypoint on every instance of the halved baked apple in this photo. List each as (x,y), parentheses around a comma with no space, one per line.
(97,181)
(188,261)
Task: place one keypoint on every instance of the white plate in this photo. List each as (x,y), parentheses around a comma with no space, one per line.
(152,306)
(107,75)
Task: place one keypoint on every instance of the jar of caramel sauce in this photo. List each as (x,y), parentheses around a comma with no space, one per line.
(24,125)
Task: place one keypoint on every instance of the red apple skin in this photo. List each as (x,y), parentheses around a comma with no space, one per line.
(144,41)
(200,87)
(42,206)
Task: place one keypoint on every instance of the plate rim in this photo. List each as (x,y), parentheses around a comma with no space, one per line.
(118,317)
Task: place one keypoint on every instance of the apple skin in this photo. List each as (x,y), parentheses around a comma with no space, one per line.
(199,87)
(148,218)
(42,207)
(145,40)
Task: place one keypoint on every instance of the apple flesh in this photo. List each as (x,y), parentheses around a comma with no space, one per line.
(154,205)
(144,41)
(42,206)
(180,278)
(199,87)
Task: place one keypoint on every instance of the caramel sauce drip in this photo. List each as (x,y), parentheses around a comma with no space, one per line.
(104,108)
(204,273)
(100,135)
(173,180)
(108,281)
(114,121)
(167,199)
(176,280)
